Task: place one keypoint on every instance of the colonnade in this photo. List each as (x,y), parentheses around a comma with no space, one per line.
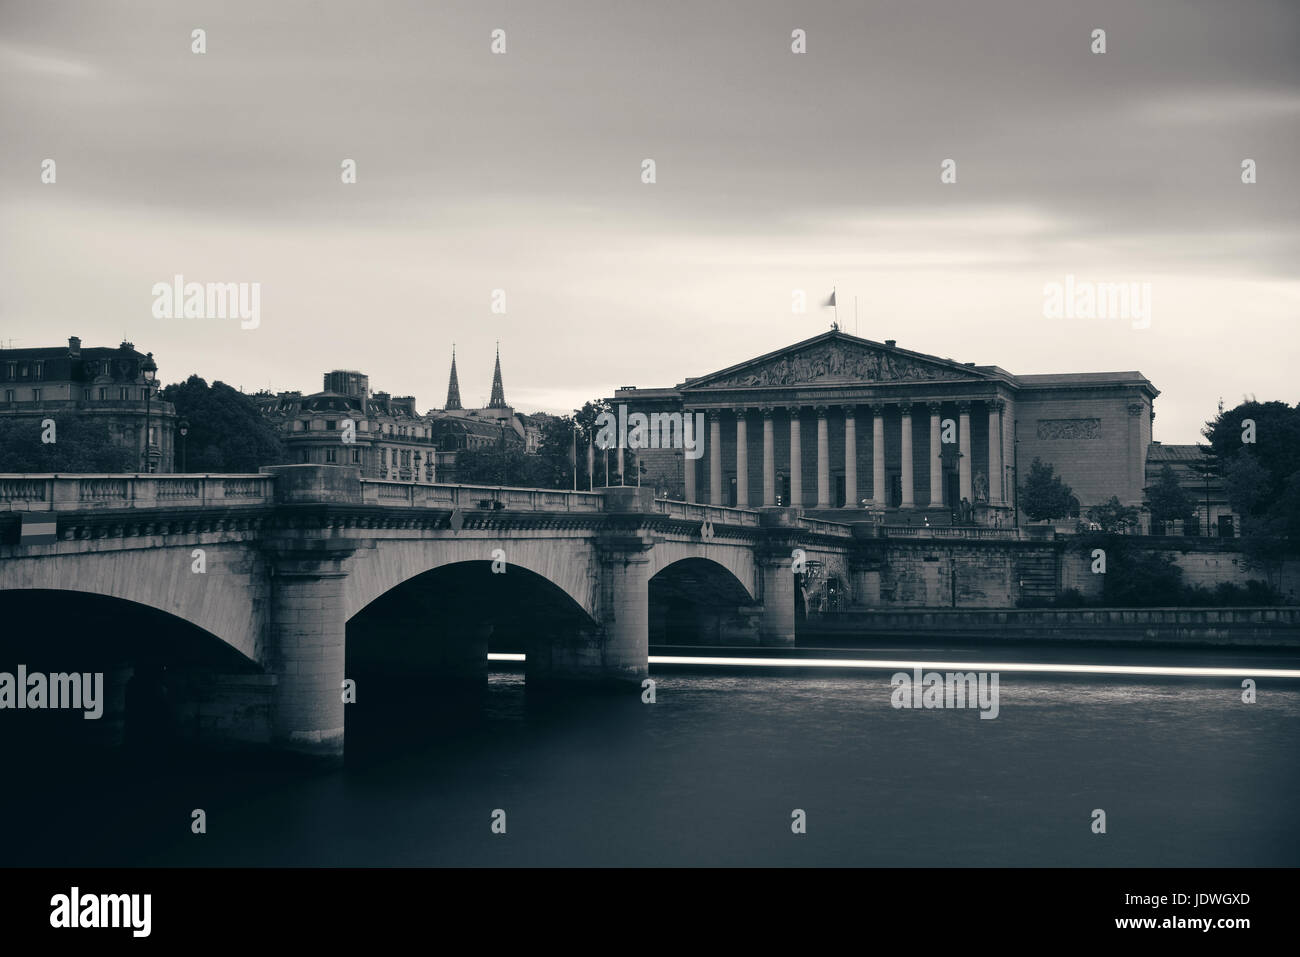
(958,430)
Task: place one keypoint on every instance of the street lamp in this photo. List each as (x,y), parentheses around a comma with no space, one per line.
(184,430)
(149,369)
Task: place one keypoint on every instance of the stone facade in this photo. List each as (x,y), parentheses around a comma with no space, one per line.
(97,383)
(391,440)
(844,424)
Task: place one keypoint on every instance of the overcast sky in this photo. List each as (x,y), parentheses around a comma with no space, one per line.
(775,172)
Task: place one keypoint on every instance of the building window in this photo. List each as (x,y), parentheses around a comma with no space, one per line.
(12,372)
(124,393)
(103,394)
(22,369)
(36,395)
(356,456)
(329,425)
(9,395)
(85,395)
(330,456)
(39,370)
(306,455)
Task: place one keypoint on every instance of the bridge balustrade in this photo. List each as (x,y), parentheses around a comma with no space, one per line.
(384,492)
(68,493)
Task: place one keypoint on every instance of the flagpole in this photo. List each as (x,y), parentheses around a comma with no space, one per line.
(855,315)
(836,306)
(575,455)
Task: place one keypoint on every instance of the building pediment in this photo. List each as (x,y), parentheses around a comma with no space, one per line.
(831,359)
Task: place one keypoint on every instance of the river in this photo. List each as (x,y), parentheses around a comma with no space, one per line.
(711,773)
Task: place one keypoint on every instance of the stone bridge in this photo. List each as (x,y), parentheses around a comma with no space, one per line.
(285,566)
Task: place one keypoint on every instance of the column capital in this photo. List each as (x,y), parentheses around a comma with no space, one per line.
(715,415)
(935,407)
(850,411)
(877,408)
(905,407)
(997,405)
(767,411)
(821,411)
(794,410)
(740,411)
(963,406)
(1136,408)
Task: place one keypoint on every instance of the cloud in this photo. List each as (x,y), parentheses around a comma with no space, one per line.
(18,60)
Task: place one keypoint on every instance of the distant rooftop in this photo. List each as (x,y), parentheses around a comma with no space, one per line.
(1158,452)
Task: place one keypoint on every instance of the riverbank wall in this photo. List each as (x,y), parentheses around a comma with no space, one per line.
(1261,627)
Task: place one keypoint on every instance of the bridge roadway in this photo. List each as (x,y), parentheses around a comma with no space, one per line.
(281,567)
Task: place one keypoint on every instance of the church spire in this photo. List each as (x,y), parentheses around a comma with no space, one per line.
(453,386)
(498,400)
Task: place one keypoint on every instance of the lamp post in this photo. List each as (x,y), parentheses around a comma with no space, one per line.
(184,430)
(149,369)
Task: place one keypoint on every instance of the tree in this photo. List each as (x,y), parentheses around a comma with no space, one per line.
(555,453)
(1112,516)
(1168,500)
(1044,495)
(1255,449)
(587,429)
(1140,577)
(81,445)
(227,432)
(496,465)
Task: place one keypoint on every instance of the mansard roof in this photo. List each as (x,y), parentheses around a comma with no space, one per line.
(837,357)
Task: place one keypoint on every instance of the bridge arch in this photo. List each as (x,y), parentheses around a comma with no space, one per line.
(227,600)
(736,560)
(696,600)
(565,564)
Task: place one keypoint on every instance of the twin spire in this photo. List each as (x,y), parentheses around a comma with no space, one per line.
(498,400)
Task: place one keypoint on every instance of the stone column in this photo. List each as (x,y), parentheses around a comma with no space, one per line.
(620,461)
(307,645)
(907,478)
(742,460)
(715,457)
(850,457)
(796,461)
(688,463)
(1137,458)
(963,446)
(823,459)
(878,454)
(936,455)
(769,459)
(995,451)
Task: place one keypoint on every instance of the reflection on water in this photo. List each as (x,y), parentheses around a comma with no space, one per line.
(1187,775)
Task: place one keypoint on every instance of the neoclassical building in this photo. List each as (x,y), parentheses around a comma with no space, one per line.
(392,441)
(97,383)
(838,422)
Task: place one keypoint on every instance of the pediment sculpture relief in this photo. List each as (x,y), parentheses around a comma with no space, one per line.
(835,362)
